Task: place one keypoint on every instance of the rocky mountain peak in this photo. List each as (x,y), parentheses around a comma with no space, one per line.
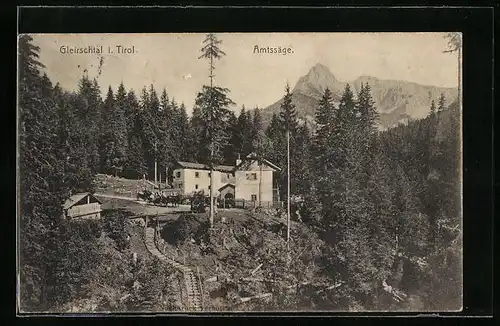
(316,81)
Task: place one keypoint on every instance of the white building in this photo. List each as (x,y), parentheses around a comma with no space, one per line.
(248,179)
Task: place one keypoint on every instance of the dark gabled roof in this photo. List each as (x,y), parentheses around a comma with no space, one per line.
(225,168)
(252,156)
(76,198)
(227,185)
(199,166)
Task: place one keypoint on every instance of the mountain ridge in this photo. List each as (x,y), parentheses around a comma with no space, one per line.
(396,100)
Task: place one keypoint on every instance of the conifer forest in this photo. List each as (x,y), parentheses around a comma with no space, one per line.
(380,222)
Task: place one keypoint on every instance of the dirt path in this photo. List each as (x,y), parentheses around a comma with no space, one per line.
(138,207)
(118,197)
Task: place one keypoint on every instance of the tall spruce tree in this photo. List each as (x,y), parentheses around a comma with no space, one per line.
(244,132)
(136,164)
(213,102)
(322,150)
(185,134)
(232,148)
(289,122)
(114,137)
(89,114)
(197,148)
(275,137)
(53,151)
(260,146)
(40,204)
(441,103)
(324,119)
(433,108)
(287,114)
(367,131)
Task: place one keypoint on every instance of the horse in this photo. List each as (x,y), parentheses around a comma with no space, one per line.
(175,200)
(155,199)
(144,195)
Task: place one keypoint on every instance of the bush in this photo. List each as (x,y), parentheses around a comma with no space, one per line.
(74,262)
(115,225)
(187,226)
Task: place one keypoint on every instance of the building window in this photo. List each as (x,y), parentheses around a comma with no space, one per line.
(195,186)
(178,174)
(197,175)
(209,174)
(251,176)
(208,187)
(254,197)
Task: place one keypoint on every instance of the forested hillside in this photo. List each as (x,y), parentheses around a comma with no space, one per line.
(386,204)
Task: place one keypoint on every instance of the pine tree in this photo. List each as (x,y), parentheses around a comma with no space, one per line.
(89,114)
(131,111)
(213,102)
(243,139)
(52,166)
(260,145)
(275,136)
(368,114)
(324,119)
(322,150)
(107,141)
(433,108)
(289,123)
(182,122)
(149,129)
(71,150)
(39,205)
(441,103)
(367,131)
(301,171)
(118,124)
(197,148)
(346,138)
(136,165)
(167,146)
(287,114)
(257,126)
(233,146)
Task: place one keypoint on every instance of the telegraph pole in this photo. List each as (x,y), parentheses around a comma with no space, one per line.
(156,164)
(288,187)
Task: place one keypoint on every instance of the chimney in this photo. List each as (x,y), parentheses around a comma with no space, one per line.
(238,160)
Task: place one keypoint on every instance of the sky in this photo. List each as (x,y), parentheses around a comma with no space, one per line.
(171,61)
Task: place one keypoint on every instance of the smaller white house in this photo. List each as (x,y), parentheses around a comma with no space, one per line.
(82,206)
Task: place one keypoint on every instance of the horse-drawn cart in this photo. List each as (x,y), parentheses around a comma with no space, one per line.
(164,197)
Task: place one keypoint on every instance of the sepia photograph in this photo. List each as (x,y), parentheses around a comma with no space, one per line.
(239,172)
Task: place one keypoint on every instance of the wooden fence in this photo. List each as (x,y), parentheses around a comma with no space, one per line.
(252,204)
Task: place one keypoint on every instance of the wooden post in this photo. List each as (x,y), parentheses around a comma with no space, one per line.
(156,165)
(288,187)
(260,181)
